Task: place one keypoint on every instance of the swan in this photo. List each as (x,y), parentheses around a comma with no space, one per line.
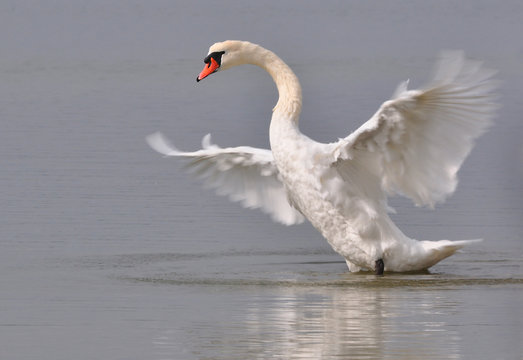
(413,145)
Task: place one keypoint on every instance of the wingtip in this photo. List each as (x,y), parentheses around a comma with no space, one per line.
(468,242)
(455,66)
(158,142)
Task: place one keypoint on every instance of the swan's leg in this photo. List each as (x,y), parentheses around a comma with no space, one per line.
(380,266)
(352,267)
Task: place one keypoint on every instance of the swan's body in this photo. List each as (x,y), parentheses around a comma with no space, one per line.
(414,145)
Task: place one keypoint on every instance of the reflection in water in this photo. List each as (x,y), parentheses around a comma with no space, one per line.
(322,323)
(253,311)
(351,323)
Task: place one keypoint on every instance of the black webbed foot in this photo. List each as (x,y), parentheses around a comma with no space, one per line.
(379,267)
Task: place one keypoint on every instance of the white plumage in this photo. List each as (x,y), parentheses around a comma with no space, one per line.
(245,174)
(414,146)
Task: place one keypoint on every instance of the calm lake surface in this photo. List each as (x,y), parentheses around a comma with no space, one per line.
(109,251)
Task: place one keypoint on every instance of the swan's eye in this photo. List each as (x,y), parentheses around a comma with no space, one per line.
(217,56)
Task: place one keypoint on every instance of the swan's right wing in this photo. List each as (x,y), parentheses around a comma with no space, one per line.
(416,142)
(245,174)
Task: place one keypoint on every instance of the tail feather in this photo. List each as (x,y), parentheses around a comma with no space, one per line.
(439,250)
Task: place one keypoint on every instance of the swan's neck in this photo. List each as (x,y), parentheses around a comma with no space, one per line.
(289,101)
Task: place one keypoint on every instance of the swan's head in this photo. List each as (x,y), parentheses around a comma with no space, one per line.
(224,55)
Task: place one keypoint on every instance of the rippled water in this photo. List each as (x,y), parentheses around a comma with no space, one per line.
(262,304)
(108,251)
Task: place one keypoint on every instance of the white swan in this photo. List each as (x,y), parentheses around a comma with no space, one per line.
(414,145)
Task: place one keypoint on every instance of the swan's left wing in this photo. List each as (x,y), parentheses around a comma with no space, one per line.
(245,174)
(415,144)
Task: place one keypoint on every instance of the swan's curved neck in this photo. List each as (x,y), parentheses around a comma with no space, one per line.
(289,89)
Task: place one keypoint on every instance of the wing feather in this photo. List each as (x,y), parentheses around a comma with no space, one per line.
(244,174)
(416,142)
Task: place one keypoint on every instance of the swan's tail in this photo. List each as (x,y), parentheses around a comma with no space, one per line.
(439,250)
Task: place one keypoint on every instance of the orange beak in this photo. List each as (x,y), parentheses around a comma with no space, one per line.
(209,68)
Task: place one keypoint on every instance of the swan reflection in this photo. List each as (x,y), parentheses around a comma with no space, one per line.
(351,323)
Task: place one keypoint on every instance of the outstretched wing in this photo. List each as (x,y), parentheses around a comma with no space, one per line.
(245,174)
(415,144)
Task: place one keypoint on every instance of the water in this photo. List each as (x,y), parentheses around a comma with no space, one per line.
(109,251)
